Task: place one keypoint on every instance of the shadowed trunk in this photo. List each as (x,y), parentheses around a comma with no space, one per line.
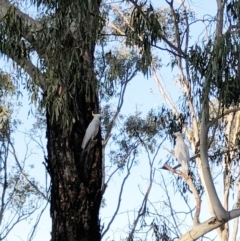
(76,184)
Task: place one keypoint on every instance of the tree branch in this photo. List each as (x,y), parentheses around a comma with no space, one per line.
(192,188)
(164,95)
(25,176)
(218,209)
(203,228)
(28,31)
(236,221)
(130,164)
(220,16)
(171,45)
(227,112)
(143,208)
(172,211)
(31,25)
(27,66)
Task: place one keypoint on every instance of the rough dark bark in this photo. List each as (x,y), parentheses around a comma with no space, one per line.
(75,174)
(76,186)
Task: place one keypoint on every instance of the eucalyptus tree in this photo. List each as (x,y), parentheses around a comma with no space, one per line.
(55,47)
(208,74)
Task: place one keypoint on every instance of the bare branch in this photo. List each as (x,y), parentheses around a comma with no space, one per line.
(143,207)
(193,189)
(111,125)
(37,222)
(120,104)
(113,26)
(176,27)
(13,152)
(129,166)
(170,206)
(163,93)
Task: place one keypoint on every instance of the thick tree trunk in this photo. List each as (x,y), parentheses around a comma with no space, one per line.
(76,174)
(76,186)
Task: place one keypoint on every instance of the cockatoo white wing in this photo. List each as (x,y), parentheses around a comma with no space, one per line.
(91,131)
(181,152)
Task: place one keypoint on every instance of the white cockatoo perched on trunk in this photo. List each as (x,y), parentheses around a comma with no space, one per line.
(181,152)
(92,130)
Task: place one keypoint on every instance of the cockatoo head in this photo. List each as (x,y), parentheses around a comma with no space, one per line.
(96,115)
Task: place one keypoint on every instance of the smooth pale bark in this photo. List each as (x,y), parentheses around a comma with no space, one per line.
(236,221)
(199,230)
(218,209)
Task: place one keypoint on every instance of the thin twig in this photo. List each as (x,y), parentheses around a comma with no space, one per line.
(13,152)
(130,164)
(192,188)
(37,222)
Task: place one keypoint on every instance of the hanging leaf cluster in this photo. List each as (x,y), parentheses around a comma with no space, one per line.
(155,121)
(233,10)
(147,31)
(219,64)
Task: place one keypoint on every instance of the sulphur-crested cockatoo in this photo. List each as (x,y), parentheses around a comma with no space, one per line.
(92,130)
(181,152)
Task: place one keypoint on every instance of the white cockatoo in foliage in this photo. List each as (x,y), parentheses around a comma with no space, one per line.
(181,152)
(92,130)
